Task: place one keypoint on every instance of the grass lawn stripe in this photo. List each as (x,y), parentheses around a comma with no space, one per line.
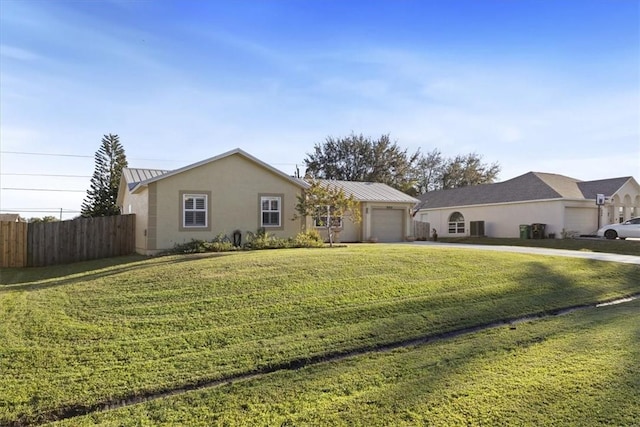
(578,369)
(311,360)
(63,324)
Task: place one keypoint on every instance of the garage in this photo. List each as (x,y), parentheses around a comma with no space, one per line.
(581,220)
(387,225)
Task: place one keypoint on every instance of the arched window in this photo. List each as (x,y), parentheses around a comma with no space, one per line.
(456,223)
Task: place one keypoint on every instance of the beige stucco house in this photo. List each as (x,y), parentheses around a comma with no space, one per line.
(566,206)
(236,191)
(232,191)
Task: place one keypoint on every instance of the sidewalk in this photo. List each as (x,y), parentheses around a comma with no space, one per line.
(600,256)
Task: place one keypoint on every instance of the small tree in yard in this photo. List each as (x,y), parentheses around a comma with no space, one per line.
(101,197)
(328,204)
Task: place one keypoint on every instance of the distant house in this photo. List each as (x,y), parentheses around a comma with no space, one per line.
(236,191)
(11,217)
(566,206)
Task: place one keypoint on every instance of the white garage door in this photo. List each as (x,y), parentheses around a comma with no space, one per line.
(387,224)
(582,220)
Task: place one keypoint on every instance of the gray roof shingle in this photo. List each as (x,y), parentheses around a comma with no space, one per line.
(604,186)
(530,186)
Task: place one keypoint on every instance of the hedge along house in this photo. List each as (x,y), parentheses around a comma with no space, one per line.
(219,195)
(385,213)
(566,206)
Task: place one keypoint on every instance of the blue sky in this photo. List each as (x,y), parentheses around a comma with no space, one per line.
(548,86)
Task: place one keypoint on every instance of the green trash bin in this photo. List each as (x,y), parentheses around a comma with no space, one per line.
(525,231)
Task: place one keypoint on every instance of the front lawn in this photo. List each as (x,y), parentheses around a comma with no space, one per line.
(578,369)
(73,336)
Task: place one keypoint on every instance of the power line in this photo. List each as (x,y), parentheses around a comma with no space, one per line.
(43,210)
(31,153)
(41,189)
(43,174)
(38,208)
(44,154)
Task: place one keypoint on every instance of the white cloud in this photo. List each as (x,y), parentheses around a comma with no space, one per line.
(12,52)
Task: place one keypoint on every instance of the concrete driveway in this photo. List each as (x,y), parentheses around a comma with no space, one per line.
(600,256)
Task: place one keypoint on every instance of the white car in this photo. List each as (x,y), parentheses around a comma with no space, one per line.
(630,228)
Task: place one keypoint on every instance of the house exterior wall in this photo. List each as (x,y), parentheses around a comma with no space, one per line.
(350,231)
(137,204)
(234,185)
(501,220)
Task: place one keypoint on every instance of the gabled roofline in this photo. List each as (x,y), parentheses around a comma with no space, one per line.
(243,153)
(631,180)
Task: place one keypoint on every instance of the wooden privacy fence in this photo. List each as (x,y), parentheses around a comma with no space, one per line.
(13,244)
(69,241)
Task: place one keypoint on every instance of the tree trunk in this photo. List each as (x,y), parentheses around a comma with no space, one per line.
(329,228)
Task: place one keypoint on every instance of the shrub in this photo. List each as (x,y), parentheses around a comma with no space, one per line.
(253,241)
(218,244)
(192,247)
(259,240)
(264,240)
(308,239)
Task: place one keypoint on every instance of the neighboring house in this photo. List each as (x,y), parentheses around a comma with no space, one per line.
(236,191)
(566,206)
(385,213)
(11,218)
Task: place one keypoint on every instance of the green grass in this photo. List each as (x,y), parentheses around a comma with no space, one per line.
(81,334)
(579,369)
(623,247)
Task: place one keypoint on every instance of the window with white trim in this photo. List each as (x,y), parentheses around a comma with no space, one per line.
(270,211)
(456,223)
(194,210)
(321,218)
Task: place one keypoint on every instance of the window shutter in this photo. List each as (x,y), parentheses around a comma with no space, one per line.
(195,211)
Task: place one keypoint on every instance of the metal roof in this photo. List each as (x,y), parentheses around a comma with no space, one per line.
(371,191)
(528,187)
(133,176)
